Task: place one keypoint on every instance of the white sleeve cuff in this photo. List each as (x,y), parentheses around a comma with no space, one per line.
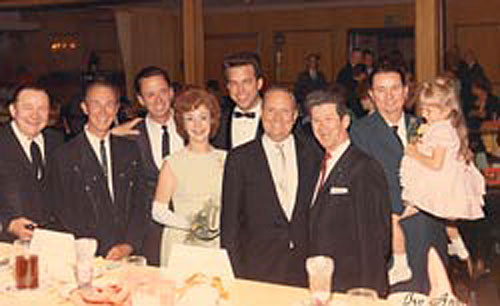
(163,215)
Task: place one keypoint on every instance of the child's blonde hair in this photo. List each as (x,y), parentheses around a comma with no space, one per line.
(444,90)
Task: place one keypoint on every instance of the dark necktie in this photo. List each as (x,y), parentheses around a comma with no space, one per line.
(395,131)
(36,160)
(104,159)
(324,167)
(165,142)
(249,115)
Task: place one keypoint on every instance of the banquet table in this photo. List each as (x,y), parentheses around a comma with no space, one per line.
(241,292)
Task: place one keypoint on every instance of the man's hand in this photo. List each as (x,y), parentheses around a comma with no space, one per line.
(22,227)
(127,128)
(119,251)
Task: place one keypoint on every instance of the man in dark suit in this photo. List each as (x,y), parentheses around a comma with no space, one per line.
(25,145)
(345,77)
(266,194)
(383,136)
(350,214)
(309,80)
(240,121)
(157,138)
(95,180)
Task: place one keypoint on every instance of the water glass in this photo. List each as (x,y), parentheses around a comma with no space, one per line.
(136,260)
(320,272)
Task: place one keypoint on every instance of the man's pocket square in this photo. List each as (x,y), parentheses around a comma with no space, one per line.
(339,190)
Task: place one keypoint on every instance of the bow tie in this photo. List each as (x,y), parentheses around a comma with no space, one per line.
(250,115)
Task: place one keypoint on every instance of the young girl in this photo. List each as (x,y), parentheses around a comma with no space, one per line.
(437,173)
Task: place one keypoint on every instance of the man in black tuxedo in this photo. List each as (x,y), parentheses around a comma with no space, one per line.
(240,121)
(383,135)
(95,180)
(157,138)
(350,213)
(25,145)
(265,197)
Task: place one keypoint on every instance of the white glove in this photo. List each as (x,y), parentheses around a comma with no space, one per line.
(163,215)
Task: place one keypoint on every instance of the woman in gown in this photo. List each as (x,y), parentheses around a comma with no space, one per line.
(189,187)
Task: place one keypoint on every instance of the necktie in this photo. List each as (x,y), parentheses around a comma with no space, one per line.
(104,159)
(165,142)
(36,160)
(395,131)
(250,115)
(324,167)
(282,176)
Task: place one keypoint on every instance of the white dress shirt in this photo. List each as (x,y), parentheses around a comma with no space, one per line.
(95,143)
(291,176)
(331,162)
(401,129)
(26,142)
(155,134)
(244,129)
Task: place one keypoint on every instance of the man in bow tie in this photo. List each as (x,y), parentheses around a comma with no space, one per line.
(240,121)
(350,213)
(25,145)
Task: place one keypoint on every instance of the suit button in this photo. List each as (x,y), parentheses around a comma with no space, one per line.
(291,245)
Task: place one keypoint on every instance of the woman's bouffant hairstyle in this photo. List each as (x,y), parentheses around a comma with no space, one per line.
(443,89)
(190,99)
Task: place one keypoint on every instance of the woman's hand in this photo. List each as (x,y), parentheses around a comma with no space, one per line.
(411,150)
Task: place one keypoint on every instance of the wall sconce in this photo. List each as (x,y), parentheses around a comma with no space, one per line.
(62,42)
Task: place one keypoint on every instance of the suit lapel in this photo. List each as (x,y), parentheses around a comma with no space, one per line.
(262,160)
(92,172)
(19,151)
(229,128)
(144,144)
(303,188)
(336,177)
(383,129)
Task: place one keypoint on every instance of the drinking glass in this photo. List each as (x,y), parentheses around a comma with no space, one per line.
(85,252)
(320,271)
(25,265)
(136,260)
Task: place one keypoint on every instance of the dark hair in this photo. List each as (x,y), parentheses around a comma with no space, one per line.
(242,59)
(334,95)
(26,86)
(386,69)
(368,52)
(313,55)
(190,99)
(104,82)
(149,72)
(356,49)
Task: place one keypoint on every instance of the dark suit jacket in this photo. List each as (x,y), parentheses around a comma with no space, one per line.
(373,136)
(223,138)
(153,236)
(261,242)
(354,227)
(344,77)
(305,84)
(81,200)
(21,195)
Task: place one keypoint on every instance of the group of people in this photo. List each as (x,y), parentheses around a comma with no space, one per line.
(249,177)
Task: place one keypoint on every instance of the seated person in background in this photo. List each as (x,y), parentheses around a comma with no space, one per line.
(95,180)
(191,178)
(350,215)
(25,144)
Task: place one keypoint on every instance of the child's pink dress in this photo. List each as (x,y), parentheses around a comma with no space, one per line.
(453,192)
